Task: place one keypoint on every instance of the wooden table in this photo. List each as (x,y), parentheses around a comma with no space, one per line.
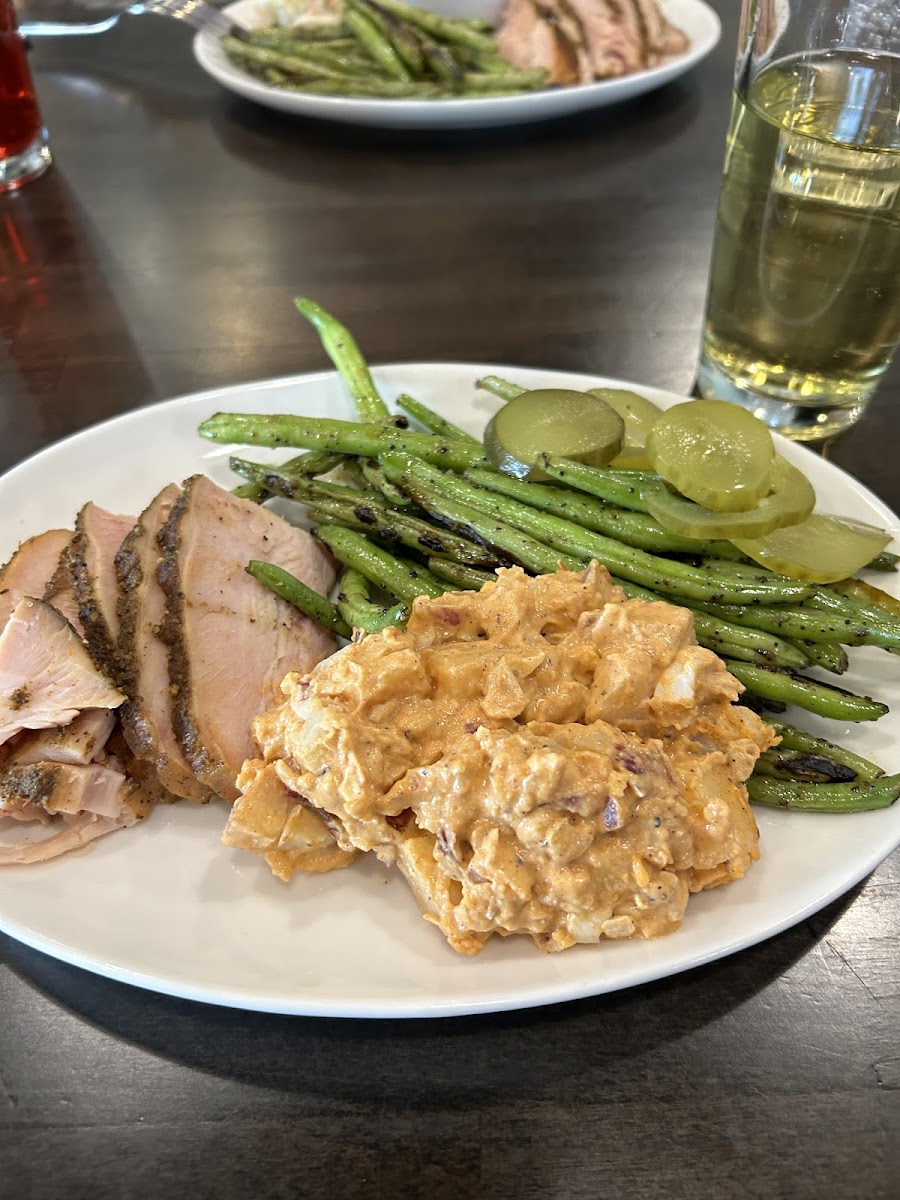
(160,256)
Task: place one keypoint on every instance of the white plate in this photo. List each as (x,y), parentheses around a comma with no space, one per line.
(694,17)
(167,907)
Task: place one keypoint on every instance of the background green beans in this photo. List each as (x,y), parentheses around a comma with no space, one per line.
(383,49)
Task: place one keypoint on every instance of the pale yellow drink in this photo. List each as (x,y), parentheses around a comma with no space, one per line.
(803,311)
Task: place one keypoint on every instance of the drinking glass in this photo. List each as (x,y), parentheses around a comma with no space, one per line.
(24,153)
(803,309)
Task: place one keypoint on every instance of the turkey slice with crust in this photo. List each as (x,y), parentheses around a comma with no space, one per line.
(60,591)
(231,641)
(83,802)
(46,674)
(31,567)
(92,554)
(78,743)
(144,658)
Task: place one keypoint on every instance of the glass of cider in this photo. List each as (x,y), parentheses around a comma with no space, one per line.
(803,309)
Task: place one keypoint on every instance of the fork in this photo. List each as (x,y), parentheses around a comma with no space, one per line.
(197,13)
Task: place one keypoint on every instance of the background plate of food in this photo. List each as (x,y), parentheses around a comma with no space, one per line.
(497,62)
(166,906)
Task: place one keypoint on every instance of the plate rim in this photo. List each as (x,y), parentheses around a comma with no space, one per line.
(550,991)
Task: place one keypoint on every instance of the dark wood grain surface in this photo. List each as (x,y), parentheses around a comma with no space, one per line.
(160,256)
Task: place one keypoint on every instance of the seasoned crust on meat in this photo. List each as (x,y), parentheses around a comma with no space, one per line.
(231,640)
(143,656)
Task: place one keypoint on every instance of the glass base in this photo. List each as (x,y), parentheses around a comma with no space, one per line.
(800,423)
(31,162)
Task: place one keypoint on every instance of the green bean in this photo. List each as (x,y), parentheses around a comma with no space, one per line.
(871,600)
(441,62)
(265,480)
(401,36)
(797,739)
(399,528)
(359,611)
(806,625)
(824,797)
(819,698)
(527,80)
(340,346)
(660,574)
(500,387)
(342,437)
(293,64)
(403,579)
(802,767)
(376,89)
(596,481)
(829,656)
(527,551)
(320,54)
(444,29)
(312,491)
(761,707)
(433,421)
(276,38)
(826,599)
(634,529)
(377,44)
(466,577)
(374,476)
(309,602)
(885,561)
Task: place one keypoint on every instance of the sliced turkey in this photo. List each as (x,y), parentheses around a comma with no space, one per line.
(30,569)
(614,36)
(78,743)
(541,33)
(143,657)
(81,802)
(92,554)
(60,591)
(231,641)
(46,675)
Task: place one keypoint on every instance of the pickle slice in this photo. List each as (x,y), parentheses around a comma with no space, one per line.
(792,498)
(820,549)
(713,452)
(552,421)
(639,415)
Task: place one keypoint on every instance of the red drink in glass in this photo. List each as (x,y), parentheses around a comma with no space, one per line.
(23,139)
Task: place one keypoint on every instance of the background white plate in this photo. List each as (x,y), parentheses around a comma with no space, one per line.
(167,907)
(694,17)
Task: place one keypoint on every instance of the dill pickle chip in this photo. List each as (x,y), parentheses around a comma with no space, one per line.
(552,421)
(713,452)
(820,549)
(792,498)
(639,415)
